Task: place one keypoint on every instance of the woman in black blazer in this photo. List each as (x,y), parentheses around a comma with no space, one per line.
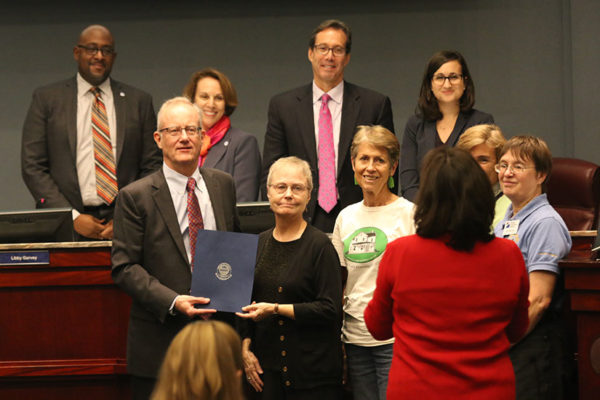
(292,346)
(444,111)
(224,147)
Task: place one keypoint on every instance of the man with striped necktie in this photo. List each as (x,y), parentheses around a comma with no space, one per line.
(88,136)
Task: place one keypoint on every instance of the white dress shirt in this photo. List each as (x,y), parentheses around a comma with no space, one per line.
(86,165)
(177,186)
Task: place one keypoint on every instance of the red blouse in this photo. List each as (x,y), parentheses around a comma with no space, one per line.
(452,314)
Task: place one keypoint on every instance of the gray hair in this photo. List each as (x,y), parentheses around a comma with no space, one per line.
(180,100)
(292,162)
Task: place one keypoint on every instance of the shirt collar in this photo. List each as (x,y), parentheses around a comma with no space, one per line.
(529,208)
(178,181)
(336,94)
(497,189)
(83,86)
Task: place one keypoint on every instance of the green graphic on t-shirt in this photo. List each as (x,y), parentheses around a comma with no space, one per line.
(365,244)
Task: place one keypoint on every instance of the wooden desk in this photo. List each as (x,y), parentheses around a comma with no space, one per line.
(63,326)
(582,281)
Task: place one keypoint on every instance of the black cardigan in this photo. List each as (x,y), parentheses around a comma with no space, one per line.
(306,350)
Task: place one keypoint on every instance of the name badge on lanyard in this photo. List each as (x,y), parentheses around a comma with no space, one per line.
(510,228)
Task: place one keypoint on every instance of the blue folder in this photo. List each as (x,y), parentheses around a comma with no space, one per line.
(224,269)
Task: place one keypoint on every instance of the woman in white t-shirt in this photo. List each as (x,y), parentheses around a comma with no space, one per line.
(362,231)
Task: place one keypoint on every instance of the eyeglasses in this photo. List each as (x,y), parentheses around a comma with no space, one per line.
(337,51)
(441,79)
(175,131)
(282,188)
(516,169)
(93,50)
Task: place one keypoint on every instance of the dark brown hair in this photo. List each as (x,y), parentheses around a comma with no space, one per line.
(427,106)
(455,199)
(334,24)
(229,93)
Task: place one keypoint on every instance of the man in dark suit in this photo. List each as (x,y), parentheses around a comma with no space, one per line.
(58,155)
(152,250)
(296,118)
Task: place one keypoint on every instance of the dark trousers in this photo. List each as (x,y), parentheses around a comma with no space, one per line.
(101,212)
(274,389)
(142,387)
(541,363)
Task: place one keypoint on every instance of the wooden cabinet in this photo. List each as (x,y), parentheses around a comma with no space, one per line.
(63,325)
(582,281)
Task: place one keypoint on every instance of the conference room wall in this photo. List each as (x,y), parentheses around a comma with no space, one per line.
(534,62)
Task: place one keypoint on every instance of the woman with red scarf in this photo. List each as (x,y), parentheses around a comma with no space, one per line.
(224,147)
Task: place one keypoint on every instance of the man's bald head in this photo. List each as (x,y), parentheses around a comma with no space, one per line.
(95,54)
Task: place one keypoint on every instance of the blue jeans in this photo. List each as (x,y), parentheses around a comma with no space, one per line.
(368,368)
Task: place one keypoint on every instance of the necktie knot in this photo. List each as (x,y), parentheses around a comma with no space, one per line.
(325,99)
(191,185)
(96,91)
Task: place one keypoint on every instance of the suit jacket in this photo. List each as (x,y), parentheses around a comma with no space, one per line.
(49,143)
(291,132)
(419,138)
(237,154)
(151,265)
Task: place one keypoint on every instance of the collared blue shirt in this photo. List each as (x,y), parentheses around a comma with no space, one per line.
(542,234)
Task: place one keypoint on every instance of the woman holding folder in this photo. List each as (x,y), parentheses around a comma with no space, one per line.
(292,345)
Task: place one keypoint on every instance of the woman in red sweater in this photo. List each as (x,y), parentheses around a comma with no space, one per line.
(453,296)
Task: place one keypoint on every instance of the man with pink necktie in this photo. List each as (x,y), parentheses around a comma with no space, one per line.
(88,136)
(316,122)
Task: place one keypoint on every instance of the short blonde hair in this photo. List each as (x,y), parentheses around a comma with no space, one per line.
(488,134)
(179,100)
(204,361)
(292,161)
(378,136)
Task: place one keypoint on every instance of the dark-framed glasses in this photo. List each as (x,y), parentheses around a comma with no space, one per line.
(337,51)
(441,79)
(175,131)
(93,50)
(282,188)
(505,167)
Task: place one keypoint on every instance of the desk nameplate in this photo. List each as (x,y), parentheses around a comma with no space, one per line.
(30,257)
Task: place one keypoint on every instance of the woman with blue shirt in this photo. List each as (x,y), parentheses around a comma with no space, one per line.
(530,221)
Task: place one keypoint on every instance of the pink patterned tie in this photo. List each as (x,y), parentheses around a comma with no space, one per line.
(195,221)
(327,188)
(106,174)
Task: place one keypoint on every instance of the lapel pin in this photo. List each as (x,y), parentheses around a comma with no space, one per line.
(226,143)
(122,94)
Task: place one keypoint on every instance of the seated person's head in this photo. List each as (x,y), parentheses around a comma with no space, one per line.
(485,143)
(203,362)
(524,167)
